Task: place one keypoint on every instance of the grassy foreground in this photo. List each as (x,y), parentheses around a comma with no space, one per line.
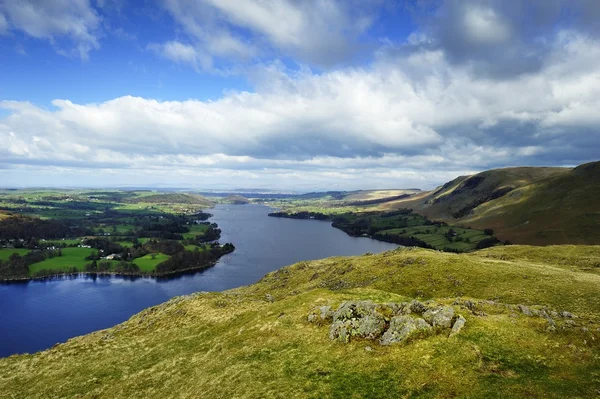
(255,341)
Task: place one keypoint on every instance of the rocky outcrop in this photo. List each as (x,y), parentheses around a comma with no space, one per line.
(387,323)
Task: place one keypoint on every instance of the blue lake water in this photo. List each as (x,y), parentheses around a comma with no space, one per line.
(37,314)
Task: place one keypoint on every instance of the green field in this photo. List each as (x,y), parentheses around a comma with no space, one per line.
(195,229)
(71,257)
(465,239)
(5,253)
(148,262)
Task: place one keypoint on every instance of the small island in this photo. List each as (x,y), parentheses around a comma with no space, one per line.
(44,234)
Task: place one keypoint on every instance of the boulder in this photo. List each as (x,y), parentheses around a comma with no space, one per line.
(458,325)
(321,314)
(525,310)
(356,319)
(402,327)
(417,307)
(440,317)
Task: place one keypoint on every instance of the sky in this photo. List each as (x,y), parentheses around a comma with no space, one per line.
(293,95)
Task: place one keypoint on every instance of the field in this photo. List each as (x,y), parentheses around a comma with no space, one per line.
(147,263)
(256,341)
(71,257)
(463,240)
(5,253)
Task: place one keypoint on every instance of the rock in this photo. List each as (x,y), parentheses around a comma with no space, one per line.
(269,298)
(368,349)
(417,307)
(371,326)
(458,325)
(340,331)
(355,318)
(570,323)
(470,305)
(525,310)
(321,314)
(567,315)
(440,317)
(402,327)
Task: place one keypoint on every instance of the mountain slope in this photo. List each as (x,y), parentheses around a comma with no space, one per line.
(538,206)
(256,341)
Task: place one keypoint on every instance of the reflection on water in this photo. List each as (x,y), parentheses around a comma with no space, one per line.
(35,315)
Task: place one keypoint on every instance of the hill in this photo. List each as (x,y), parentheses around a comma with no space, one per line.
(174,198)
(236,200)
(537,206)
(531,329)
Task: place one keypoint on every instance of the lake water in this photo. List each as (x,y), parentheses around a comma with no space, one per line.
(37,314)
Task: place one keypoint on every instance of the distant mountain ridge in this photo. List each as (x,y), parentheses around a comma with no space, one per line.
(524,205)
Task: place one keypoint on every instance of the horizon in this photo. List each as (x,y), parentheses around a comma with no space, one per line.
(337,96)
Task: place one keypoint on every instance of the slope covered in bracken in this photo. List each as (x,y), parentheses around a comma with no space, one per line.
(537,206)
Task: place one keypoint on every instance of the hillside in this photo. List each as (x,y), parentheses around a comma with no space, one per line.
(236,200)
(538,206)
(174,198)
(257,341)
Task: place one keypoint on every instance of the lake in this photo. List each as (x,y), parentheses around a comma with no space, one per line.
(35,315)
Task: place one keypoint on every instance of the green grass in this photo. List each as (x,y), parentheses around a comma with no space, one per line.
(71,257)
(238,344)
(436,236)
(148,262)
(193,247)
(5,253)
(195,229)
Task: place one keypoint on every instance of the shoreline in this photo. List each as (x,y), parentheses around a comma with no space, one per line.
(108,274)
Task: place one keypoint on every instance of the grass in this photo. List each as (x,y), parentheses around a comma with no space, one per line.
(148,262)
(71,257)
(436,236)
(195,229)
(238,344)
(5,253)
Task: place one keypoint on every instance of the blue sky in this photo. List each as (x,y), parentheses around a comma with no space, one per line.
(318,94)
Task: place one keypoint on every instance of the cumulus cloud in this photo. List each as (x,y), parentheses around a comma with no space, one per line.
(502,39)
(320,32)
(74,20)
(404,116)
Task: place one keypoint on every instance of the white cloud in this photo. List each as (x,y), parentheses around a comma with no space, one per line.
(182,53)
(3,25)
(398,118)
(75,20)
(322,32)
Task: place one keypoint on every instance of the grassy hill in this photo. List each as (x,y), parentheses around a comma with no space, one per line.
(174,198)
(236,200)
(538,206)
(257,342)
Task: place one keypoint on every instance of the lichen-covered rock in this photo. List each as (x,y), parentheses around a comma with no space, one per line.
(525,310)
(417,307)
(353,310)
(402,327)
(356,319)
(458,325)
(321,314)
(341,331)
(566,314)
(440,317)
(371,326)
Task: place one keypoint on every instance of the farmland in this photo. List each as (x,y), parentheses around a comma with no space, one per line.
(125,232)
